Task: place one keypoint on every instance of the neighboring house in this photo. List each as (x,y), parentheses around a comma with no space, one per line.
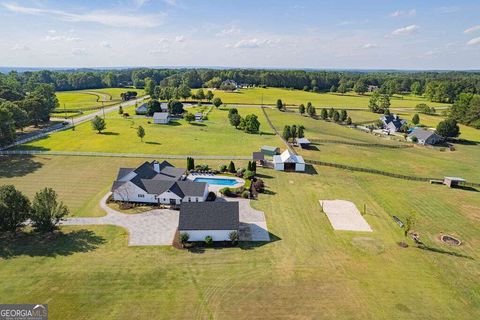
(164,106)
(229,83)
(372,88)
(214,219)
(425,137)
(392,122)
(157,183)
(142,109)
(288,161)
(302,142)
(453,182)
(198,116)
(270,151)
(161,117)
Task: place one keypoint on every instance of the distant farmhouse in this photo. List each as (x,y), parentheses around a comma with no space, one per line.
(161,118)
(372,88)
(425,137)
(288,161)
(215,219)
(157,183)
(164,106)
(142,109)
(392,122)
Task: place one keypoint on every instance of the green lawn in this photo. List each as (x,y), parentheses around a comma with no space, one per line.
(212,137)
(296,97)
(91,97)
(419,161)
(309,271)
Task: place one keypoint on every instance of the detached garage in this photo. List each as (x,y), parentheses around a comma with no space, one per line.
(288,161)
(215,219)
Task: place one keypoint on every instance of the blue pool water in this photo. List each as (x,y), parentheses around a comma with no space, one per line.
(217,181)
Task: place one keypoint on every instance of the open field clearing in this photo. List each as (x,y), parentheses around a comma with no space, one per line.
(309,270)
(212,137)
(419,161)
(296,97)
(91,98)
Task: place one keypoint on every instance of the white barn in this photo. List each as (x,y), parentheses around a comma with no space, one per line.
(215,219)
(161,117)
(288,161)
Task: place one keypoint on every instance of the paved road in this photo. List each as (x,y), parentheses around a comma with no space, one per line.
(76,121)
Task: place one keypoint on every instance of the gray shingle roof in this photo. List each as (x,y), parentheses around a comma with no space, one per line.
(161,115)
(209,216)
(258,156)
(117,184)
(156,186)
(122,172)
(191,188)
(169,173)
(302,140)
(421,134)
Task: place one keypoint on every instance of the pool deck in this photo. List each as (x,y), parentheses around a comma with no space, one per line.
(216,188)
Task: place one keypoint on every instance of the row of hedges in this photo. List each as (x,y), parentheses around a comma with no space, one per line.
(374,171)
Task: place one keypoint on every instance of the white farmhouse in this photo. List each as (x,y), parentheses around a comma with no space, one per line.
(157,183)
(288,161)
(215,219)
(161,117)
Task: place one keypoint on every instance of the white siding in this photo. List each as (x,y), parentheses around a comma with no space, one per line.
(199,235)
(132,193)
(279,166)
(300,167)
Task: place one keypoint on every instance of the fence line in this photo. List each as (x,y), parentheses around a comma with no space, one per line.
(124,155)
(276,132)
(360,144)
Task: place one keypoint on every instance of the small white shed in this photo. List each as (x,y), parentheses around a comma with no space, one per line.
(288,161)
(161,118)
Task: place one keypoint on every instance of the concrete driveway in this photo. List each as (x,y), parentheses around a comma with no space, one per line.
(152,228)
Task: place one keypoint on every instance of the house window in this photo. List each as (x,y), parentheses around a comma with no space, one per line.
(141,196)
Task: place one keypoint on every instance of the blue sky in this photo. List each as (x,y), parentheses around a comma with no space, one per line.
(428,34)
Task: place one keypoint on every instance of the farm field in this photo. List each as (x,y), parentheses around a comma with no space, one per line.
(419,161)
(90,97)
(308,271)
(297,97)
(214,136)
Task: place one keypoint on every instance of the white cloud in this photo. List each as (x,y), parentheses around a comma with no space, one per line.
(369,46)
(65,38)
(227,31)
(406,30)
(105,44)
(474,41)
(472,29)
(105,18)
(20,47)
(180,38)
(79,51)
(450,9)
(401,13)
(254,43)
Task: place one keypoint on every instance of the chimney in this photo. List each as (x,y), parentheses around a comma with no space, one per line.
(156,166)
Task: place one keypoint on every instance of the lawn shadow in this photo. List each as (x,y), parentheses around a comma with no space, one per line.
(197,124)
(153,142)
(49,245)
(263,176)
(18,166)
(442,251)
(110,133)
(173,123)
(250,245)
(465,142)
(309,169)
(263,133)
(312,147)
(268,192)
(467,188)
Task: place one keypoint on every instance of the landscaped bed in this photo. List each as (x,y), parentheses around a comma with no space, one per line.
(450,240)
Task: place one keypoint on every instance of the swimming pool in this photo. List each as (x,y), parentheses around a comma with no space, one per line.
(217,181)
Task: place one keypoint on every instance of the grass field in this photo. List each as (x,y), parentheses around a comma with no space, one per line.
(296,97)
(212,137)
(309,271)
(91,97)
(419,161)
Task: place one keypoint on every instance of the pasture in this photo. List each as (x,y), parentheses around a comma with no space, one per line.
(214,136)
(91,98)
(308,271)
(296,97)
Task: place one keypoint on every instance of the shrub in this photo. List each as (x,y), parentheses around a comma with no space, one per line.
(208,240)
(248,174)
(259,185)
(226,191)
(46,211)
(211,196)
(184,238)
(245,194)
(231,167)
(223,168)
(414,139)
(233,236)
